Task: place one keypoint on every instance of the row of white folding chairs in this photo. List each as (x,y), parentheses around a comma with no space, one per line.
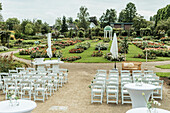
(42,73)
(104,72)
(98,90)
(60,76)
(49,84)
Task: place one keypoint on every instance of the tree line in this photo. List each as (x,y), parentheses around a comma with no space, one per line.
(127,15)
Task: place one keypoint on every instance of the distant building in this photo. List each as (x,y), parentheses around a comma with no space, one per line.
(92,25)
(124,26)
(72,26)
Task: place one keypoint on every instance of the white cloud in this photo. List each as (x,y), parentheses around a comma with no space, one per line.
(49,10)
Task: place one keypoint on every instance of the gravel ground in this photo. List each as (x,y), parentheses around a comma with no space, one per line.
(75,95)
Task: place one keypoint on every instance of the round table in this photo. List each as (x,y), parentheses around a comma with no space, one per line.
(136,93)
(25,106)
(144,110)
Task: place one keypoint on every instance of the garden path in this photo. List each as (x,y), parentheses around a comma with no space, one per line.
(148,65)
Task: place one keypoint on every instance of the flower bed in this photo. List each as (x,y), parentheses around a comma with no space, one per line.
(165,39)
(101,46)
(153,49)
(72,58)
(8,63)
(149,45)
(25,52)
(108,56)
(106,40)
(159,51)
(84,46)
(97,54)
(80,50)
(3,48)
(150,55)
(62,44)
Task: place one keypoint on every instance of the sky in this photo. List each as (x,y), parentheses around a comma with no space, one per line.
(49,10)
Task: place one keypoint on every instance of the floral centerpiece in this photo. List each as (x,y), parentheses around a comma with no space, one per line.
(11,96)
(138,81)
(151,105)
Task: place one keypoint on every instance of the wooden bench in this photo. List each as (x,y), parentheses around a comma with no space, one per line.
(131,66)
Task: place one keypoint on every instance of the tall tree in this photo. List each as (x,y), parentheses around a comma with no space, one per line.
(163,25)
(83,17)
(93,19)
(139,22)
(11,22)
(64,27)
(122,16)
(58,23)
(29,29)
(130,12)
(108,17)
(1,17)
(38,26)
(24,23)
(70,20)
(45,28)
(163,14)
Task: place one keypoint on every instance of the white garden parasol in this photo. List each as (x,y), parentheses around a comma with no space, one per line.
(114,48)
(49,52)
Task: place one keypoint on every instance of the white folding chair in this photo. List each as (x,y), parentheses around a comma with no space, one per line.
(49,83)
(149,73)
(40,90)
(125,73)
(112,91)
(125,95)
(65,73)
(157,93)
(101,72)
(113,73)
(30,69)
(20,69)
(11,85)
(12,71)
(26,90)
(96,92)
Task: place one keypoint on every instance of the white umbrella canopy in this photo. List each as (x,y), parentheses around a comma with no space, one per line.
(114,47)
(49,52)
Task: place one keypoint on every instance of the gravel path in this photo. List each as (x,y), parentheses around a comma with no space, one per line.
(74,96)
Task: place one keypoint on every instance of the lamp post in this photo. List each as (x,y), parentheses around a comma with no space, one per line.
(146,54)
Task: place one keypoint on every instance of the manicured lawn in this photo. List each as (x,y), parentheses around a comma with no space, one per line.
(163,74)
(86,55)
(13,49)
(163,66)
(133,50)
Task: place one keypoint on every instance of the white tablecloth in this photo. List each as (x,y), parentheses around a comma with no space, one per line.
(25,106)
(48,62)
(136,93)
(144,110)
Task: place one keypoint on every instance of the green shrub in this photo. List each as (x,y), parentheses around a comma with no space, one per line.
(101,33)
(61,36)
(81,34)
(168,32)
